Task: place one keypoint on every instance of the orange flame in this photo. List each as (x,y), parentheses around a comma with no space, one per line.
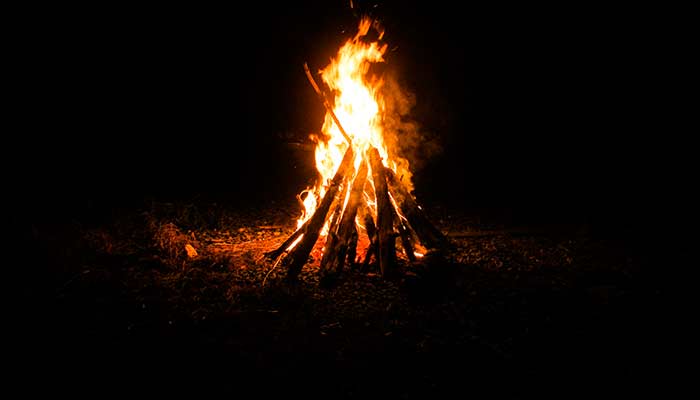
(360,107)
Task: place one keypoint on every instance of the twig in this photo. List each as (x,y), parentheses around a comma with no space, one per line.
(274,266)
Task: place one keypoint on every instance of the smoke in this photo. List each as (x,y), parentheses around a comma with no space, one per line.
(408,143)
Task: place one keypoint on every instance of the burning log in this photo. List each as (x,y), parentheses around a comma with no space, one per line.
(406,240)
(372,234)
(427,233)
(341,243)
(327,104)
(300,253)
(352,245)
(287,243)
(330,250)
(385,216)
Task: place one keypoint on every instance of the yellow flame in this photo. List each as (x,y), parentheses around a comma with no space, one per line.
(359,106)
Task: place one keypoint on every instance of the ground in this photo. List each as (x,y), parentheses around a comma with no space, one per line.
(511,311)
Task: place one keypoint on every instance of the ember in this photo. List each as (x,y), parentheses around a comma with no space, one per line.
(363,194)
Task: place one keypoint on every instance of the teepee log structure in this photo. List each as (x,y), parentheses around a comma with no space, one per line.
(382,226)
(361,205)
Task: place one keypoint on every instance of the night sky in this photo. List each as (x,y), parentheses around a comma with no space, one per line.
(535,109)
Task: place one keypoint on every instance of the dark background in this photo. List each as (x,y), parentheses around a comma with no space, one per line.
(542,112)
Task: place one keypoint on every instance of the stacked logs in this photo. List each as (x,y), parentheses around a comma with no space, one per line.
(396,215)
(401,219)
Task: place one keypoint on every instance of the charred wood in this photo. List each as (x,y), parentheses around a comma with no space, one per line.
(385,213)
(427,233)
(371,229)
(283,247)
(352,246)
(300,253)
(340,241)
(406,240)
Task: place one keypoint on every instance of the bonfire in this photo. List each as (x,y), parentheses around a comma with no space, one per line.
(362,203)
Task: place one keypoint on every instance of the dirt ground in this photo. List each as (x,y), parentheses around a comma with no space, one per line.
(118,306)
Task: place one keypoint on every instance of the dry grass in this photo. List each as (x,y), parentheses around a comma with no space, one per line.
(170,240)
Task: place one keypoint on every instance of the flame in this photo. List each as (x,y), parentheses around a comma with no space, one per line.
(360,107)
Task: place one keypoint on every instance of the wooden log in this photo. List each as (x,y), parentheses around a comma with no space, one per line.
(427,233)
(371,229)
(300,253)
(332,237)
(352,246)
(336,250)
(385,212)
(406,240)
(283,247)
(326,103)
